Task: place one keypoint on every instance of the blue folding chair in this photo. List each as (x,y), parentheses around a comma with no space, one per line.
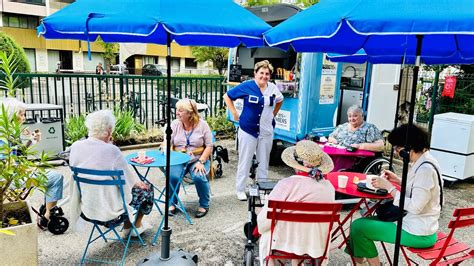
(116,179)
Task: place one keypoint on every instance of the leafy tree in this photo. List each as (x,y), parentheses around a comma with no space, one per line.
(110,51)
(218,56)
(18,62)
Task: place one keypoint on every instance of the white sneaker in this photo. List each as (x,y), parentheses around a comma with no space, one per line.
(125,232)
(140,230)
(241,196)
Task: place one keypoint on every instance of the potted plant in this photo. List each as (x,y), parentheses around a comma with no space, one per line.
(18,177)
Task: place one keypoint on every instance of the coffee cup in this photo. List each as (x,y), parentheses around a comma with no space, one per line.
(368,180)
(141,155)
(342,181)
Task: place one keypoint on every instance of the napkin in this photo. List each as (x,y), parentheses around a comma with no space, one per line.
(145,160)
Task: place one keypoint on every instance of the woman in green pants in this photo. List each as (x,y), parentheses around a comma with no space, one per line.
(422,201)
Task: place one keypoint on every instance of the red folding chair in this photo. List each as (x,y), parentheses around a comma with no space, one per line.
(447,250)
(301,212)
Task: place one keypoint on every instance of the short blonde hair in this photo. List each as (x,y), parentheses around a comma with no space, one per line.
(99,122)
(263,64)
(12,106)
(191,107)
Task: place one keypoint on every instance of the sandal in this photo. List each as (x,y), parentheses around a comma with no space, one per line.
(200,214)
(172,212)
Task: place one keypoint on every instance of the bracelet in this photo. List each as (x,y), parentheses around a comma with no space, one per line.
(391,190)
(201,161)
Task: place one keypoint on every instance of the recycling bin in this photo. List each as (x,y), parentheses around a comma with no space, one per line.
(47,119)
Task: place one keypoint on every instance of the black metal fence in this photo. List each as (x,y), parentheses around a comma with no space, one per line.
(145,96)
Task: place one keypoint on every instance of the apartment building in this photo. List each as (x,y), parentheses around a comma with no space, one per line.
(19,19)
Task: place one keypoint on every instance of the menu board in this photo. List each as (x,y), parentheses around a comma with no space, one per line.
(235,73)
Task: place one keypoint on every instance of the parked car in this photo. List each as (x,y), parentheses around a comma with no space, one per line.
(120,69)
(153,70)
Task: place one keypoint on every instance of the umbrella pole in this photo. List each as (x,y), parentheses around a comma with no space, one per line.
(395,121)
(405,153)
(166,231)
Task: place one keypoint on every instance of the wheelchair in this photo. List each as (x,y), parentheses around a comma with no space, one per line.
(371,165)
(257,194)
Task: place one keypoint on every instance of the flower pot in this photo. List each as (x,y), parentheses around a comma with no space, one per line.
(22,248)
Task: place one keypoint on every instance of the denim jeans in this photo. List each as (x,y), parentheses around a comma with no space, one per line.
(54,187)
(200,181)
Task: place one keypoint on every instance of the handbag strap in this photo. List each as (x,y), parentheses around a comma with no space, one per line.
(439,181)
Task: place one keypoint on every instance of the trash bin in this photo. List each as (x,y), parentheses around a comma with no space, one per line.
(48,119)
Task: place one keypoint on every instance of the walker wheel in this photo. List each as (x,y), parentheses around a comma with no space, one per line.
(58,225)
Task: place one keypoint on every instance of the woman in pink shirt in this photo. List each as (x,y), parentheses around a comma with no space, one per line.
(307,185)
(192,135)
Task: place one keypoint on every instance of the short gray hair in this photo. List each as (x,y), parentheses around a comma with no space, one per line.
(99,122)
(13,106)
(355,109)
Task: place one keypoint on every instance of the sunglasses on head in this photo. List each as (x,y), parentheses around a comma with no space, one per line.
(192,106)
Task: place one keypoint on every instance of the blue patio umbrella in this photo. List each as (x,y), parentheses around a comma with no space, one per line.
(361,57)
(411,28)
(220,23)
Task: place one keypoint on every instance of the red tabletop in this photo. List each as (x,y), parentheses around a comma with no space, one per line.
(351,188)
(335,151)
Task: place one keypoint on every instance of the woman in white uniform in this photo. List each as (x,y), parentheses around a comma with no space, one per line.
(262,101)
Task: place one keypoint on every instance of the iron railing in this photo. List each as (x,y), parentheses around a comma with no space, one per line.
(144,95)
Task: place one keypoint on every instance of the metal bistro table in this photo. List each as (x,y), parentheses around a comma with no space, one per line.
(351,190)
(342,158)
(177,158)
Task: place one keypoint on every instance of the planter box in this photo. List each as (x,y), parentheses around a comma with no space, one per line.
(22,248)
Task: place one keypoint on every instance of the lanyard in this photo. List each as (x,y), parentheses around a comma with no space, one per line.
(188,136)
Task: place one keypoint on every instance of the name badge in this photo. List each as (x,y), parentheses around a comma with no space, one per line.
(253,99)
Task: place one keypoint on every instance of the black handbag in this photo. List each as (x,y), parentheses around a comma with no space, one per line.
(388,212)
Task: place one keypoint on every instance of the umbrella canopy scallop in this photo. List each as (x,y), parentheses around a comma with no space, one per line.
(382,27)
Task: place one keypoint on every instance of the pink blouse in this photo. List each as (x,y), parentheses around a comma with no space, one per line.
(200,136)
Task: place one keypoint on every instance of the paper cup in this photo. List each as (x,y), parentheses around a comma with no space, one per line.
(342,181)
(141,155)
(368,180)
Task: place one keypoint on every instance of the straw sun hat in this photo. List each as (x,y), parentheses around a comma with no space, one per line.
(311,153)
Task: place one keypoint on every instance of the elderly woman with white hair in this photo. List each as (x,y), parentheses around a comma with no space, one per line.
(54,188)
(357,133)
(192,135)
(97,152)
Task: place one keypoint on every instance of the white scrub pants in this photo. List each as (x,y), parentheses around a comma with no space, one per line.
(248,146)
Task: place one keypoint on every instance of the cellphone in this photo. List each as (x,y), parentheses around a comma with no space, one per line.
(351,149)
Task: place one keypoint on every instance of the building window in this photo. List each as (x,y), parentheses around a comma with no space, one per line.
(20,21)
(33,2)
(190,63)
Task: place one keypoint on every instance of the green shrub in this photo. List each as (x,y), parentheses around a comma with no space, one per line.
(125,125)
(75,129)
(11,48)
(125,128)
(219,123)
